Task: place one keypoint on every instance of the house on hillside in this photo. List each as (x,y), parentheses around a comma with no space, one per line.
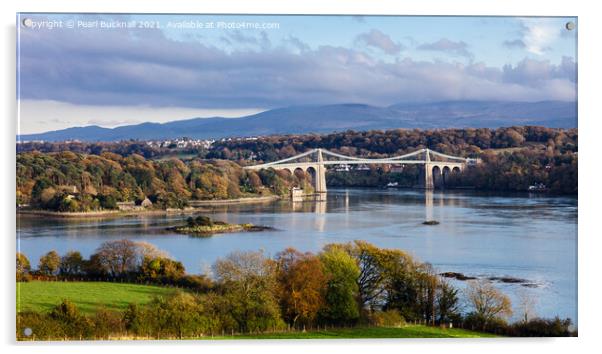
(146,203)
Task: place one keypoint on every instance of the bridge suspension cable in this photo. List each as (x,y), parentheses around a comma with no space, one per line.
(406,155)
(290,158)
(447,156)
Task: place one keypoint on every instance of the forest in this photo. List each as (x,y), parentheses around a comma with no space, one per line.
(75,182)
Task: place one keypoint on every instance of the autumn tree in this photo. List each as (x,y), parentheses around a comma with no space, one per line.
(49,263)
(302,285)
(146,250)
(161,268)
(487,302)
(23,267)
(248,280)
(118,258)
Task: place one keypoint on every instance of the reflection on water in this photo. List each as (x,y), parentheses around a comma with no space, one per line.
(531,237)
(428,205)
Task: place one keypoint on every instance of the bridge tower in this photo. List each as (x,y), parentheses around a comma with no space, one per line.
(428,171)
(320,178)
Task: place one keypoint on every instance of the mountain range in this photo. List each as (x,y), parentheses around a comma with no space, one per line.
(336,117)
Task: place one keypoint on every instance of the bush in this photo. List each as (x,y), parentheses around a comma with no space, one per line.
(106,323)
(73,324)
(198,283)
(203,221)
(477,322)
(389,318)
(41,325)
(541,327)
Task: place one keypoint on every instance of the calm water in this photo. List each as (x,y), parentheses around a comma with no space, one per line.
(523,236)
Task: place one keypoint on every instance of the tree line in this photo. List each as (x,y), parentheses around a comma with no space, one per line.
(353,284)
(123,148)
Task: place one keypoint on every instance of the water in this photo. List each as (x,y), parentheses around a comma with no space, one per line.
(531,237)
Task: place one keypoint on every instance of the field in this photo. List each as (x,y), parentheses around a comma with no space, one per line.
(410,331)
(88,296)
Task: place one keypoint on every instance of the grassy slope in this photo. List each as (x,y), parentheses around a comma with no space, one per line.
(410,331)
(42,296)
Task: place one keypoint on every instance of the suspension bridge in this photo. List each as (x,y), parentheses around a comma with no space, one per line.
(437,166)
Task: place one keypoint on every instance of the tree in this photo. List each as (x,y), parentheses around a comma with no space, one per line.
(371,277)
(385,275)
(248,281)
(526,305)
(342,290)
(302,285)
(107,201)
(49,263)
(448,303)
(23,267)
(200,220)
(135,321)
(146,250)
(72,263)
(161,268)
(183,315)
(487,302)
(118,257)
(94,266)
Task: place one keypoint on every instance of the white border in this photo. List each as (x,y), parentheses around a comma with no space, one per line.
(590,173)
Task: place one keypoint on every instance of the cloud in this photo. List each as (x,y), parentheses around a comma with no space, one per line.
(237,38)
(377,39)
(536,73)
(145,68)
(511,44)
(297,43)
(447,46)
(539,33)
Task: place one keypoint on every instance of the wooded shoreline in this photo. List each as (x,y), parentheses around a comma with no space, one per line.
(123,213)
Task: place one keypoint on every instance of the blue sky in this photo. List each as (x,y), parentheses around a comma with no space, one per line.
(82,74)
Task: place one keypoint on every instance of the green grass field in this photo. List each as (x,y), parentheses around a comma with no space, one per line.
(88,296)
(410,331)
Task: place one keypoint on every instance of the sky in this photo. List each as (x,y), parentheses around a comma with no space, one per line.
(112,70)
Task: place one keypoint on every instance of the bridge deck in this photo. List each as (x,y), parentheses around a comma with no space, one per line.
(294,165)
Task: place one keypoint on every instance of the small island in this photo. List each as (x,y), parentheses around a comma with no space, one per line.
(204,226)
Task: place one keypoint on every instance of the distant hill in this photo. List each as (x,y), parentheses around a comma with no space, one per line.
(338,117)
